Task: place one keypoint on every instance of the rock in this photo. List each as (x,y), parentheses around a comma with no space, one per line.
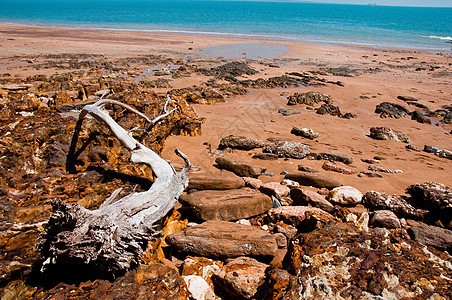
(201,266)
(407,98)
(307,169)
(297,215)
(289,231)
(231,205)
(278,281)
(289,111)
(220,239)
(309,98)
(288,149)
(345,195)
(275,189)
(304,197)
(253,182)
(370,160)
(240,168)
(241,278)
(198,288)
(385,218)
(375,168)
(231,69)
(395,203)
(370,174)
(431,149)
(304,132)
(428,235)
(420,117)
(240,142)
(330,166)
(265,156)
(336,156)
(444,154)
(223,180)
(413,147)
(329,109)
(14,87)
(312,179)
(448,118)
(391,110)
(383,133)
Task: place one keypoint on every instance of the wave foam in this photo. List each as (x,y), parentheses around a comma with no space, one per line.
(448,38)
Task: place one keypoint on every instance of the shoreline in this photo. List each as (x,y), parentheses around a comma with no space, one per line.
(243,36)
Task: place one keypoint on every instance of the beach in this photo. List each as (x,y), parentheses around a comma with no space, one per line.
(358,79)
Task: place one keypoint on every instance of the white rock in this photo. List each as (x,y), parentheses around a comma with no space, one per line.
(345,195)
(199,288)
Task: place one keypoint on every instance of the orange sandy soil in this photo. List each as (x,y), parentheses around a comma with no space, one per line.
(255,114)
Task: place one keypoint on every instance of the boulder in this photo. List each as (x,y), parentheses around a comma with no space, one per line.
(222,180)
(383,133)
(240,168)
(391,110)
(336,156)
(288,149)
(241,278)
(428,235)
(313,179)
(304,132)
(304,197)
(420,117)
(395,203)
(221,239)
(231,205)
(345,195)
(289,111)
(198,288)
(385,218)
(275,189)
(296,215)
(240,142)
(331,166)
(309,98)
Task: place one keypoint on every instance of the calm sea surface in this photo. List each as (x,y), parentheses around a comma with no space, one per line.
(409,27)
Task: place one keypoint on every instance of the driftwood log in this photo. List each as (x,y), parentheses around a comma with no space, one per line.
(112,238)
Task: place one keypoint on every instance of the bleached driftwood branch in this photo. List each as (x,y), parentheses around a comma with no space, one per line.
(113,237)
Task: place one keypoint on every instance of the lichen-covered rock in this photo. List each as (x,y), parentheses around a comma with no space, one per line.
(345,195)
(391,110)
(288,149)
(241,278)
(395,203)
(309,98)
(305,132)
(240,142)
(383,133)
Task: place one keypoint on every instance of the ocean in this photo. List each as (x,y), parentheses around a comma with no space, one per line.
(378,26)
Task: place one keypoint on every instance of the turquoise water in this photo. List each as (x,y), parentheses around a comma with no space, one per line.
(409,27)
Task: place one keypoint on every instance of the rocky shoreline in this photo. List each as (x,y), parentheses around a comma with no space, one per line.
(304,184)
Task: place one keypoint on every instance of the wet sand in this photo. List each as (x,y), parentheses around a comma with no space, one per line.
(378,75)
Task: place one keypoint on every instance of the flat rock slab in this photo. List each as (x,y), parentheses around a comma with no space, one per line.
(336,156)
(220,239)
(227,205)
(295,215)
(428,235)
(240,168)
(305,197)
(313,179)
(240,142)
(288,149)
(222,180)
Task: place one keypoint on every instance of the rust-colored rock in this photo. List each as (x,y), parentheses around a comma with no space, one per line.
(238,167)
(222,180)
(313,179)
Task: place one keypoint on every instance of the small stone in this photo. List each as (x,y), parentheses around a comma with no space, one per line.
(290,183)
(265,156)
(307,169)
(304,132)
(329,166)
(295,215)
(336,156)
(312,179)
(309,98)
(391,110)
(413,147)
(238,167)
(370,160)
(383,133)
(289,111)
(345,195)
(275,189)
(288,149)
(304,197)
(240,142)
(252,182)
(385,218)
(420,117)
(198,288)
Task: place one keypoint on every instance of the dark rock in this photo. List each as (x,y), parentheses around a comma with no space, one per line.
(336,156)
(220,239)
(228,206)
(241,278)
(307,169)
(304,132)
(391,110)
(288,149)
(265,156)
(306,197)
(222,180)
(431,149)
(413,147)
(231,69)
(395,203)
(428,235)
(383,133)
(384,218)
(420,117)
(240,142)
(407,98)
(370,174)
(240,168)
(330,110)
(289,111)
(448,118)
(312,179)
(309,98)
